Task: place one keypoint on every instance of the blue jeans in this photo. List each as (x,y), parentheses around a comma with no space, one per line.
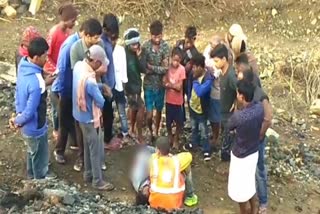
(199,131)
(37,156)
(54,98)
(227,138)
(123,117)
(261,176)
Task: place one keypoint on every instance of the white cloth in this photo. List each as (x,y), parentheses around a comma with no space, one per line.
(120,67)
(242,180)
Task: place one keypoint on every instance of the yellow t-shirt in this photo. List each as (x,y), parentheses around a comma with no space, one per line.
(195,103)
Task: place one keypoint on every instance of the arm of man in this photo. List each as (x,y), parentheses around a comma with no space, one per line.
(31,107)
(202,89)
(74,56)
(163,68)
(95,93)
(267,120)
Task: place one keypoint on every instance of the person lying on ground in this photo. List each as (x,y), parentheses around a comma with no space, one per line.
(163,185)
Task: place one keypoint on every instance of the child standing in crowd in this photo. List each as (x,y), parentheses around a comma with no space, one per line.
(28,34)
(87,104)
(173,83)
(187,45)
(31,109)
(199,102)
(228,92)
(57,35)
(244,155)
(157,56)
(120,70)
(135,65)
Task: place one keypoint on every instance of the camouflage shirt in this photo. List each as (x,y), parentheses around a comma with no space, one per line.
(159,61)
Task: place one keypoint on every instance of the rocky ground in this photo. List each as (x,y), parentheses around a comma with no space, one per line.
(283,35)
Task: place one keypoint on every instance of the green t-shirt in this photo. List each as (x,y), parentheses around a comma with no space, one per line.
(228,90)
(134,69)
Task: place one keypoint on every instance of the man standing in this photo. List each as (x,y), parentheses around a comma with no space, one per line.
(87,104)
(91,36)
(157,56)
(31,108)
(135,65)
(228,91)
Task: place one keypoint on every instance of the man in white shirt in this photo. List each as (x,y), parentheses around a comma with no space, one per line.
(120,67)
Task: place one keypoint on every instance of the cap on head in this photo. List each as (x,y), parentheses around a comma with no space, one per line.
(236,31)
(96,52)
(162,143)
(131,36)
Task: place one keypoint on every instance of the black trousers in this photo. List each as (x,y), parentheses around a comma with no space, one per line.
(108,117)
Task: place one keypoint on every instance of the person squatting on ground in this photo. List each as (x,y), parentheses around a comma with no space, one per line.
(136,63)
(246,123)
(157,56)
(88,102)
(199,106)
(161,179)
(56,36)
(31,109)
(173,82)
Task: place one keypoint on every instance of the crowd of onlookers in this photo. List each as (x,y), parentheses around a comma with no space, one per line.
(89,75)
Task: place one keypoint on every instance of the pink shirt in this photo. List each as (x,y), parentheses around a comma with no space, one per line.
(55,39)
(175,75)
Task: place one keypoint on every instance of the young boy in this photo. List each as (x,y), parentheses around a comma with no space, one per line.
(199,102)
(187,45)
(135,66)
(173,83)
(87,104)
(156,51)
(31,108)
(228,92)
(244,156)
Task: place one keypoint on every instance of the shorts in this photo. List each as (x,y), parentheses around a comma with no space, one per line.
(174,113)
(214,111)
(154,98)
(135,101)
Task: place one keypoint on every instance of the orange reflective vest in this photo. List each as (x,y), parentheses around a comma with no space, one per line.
(167,183)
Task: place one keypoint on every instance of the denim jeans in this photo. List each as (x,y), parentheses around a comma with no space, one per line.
(261,176)
(93,153)
(54,98)
(37,156)
(123,117)
(189,191)
(199,131)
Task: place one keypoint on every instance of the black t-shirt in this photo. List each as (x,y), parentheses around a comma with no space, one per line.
(228,90)
(187,54)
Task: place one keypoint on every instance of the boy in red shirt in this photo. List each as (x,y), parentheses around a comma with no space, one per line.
(173,82)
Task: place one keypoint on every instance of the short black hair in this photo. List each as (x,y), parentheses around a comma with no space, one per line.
(248,75)
(243,46)
(177,51)
(246,89)
(242,59)
(37,47)
(156,28)
(199,60)
(191,32)
(141,199)
(92,27)
(111,24)
(219,51)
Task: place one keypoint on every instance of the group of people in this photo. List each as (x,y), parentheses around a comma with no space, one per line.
(87,71)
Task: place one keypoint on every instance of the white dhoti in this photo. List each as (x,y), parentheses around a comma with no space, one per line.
(242,181)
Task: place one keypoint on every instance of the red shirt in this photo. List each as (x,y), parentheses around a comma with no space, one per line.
(55,39)
(175,75)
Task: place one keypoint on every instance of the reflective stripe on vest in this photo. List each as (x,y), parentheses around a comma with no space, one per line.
(176,188)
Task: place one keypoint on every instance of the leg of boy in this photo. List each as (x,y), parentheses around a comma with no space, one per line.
(54,98)
(108,117)
(140,118)
(123,117)
(159,104)
(149,97)
(179,120)
(261,176)
(101,144)
(226,139)
(37,155)
(87,173)
(169,121)
(204,134)
(185,159)
(194,130)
